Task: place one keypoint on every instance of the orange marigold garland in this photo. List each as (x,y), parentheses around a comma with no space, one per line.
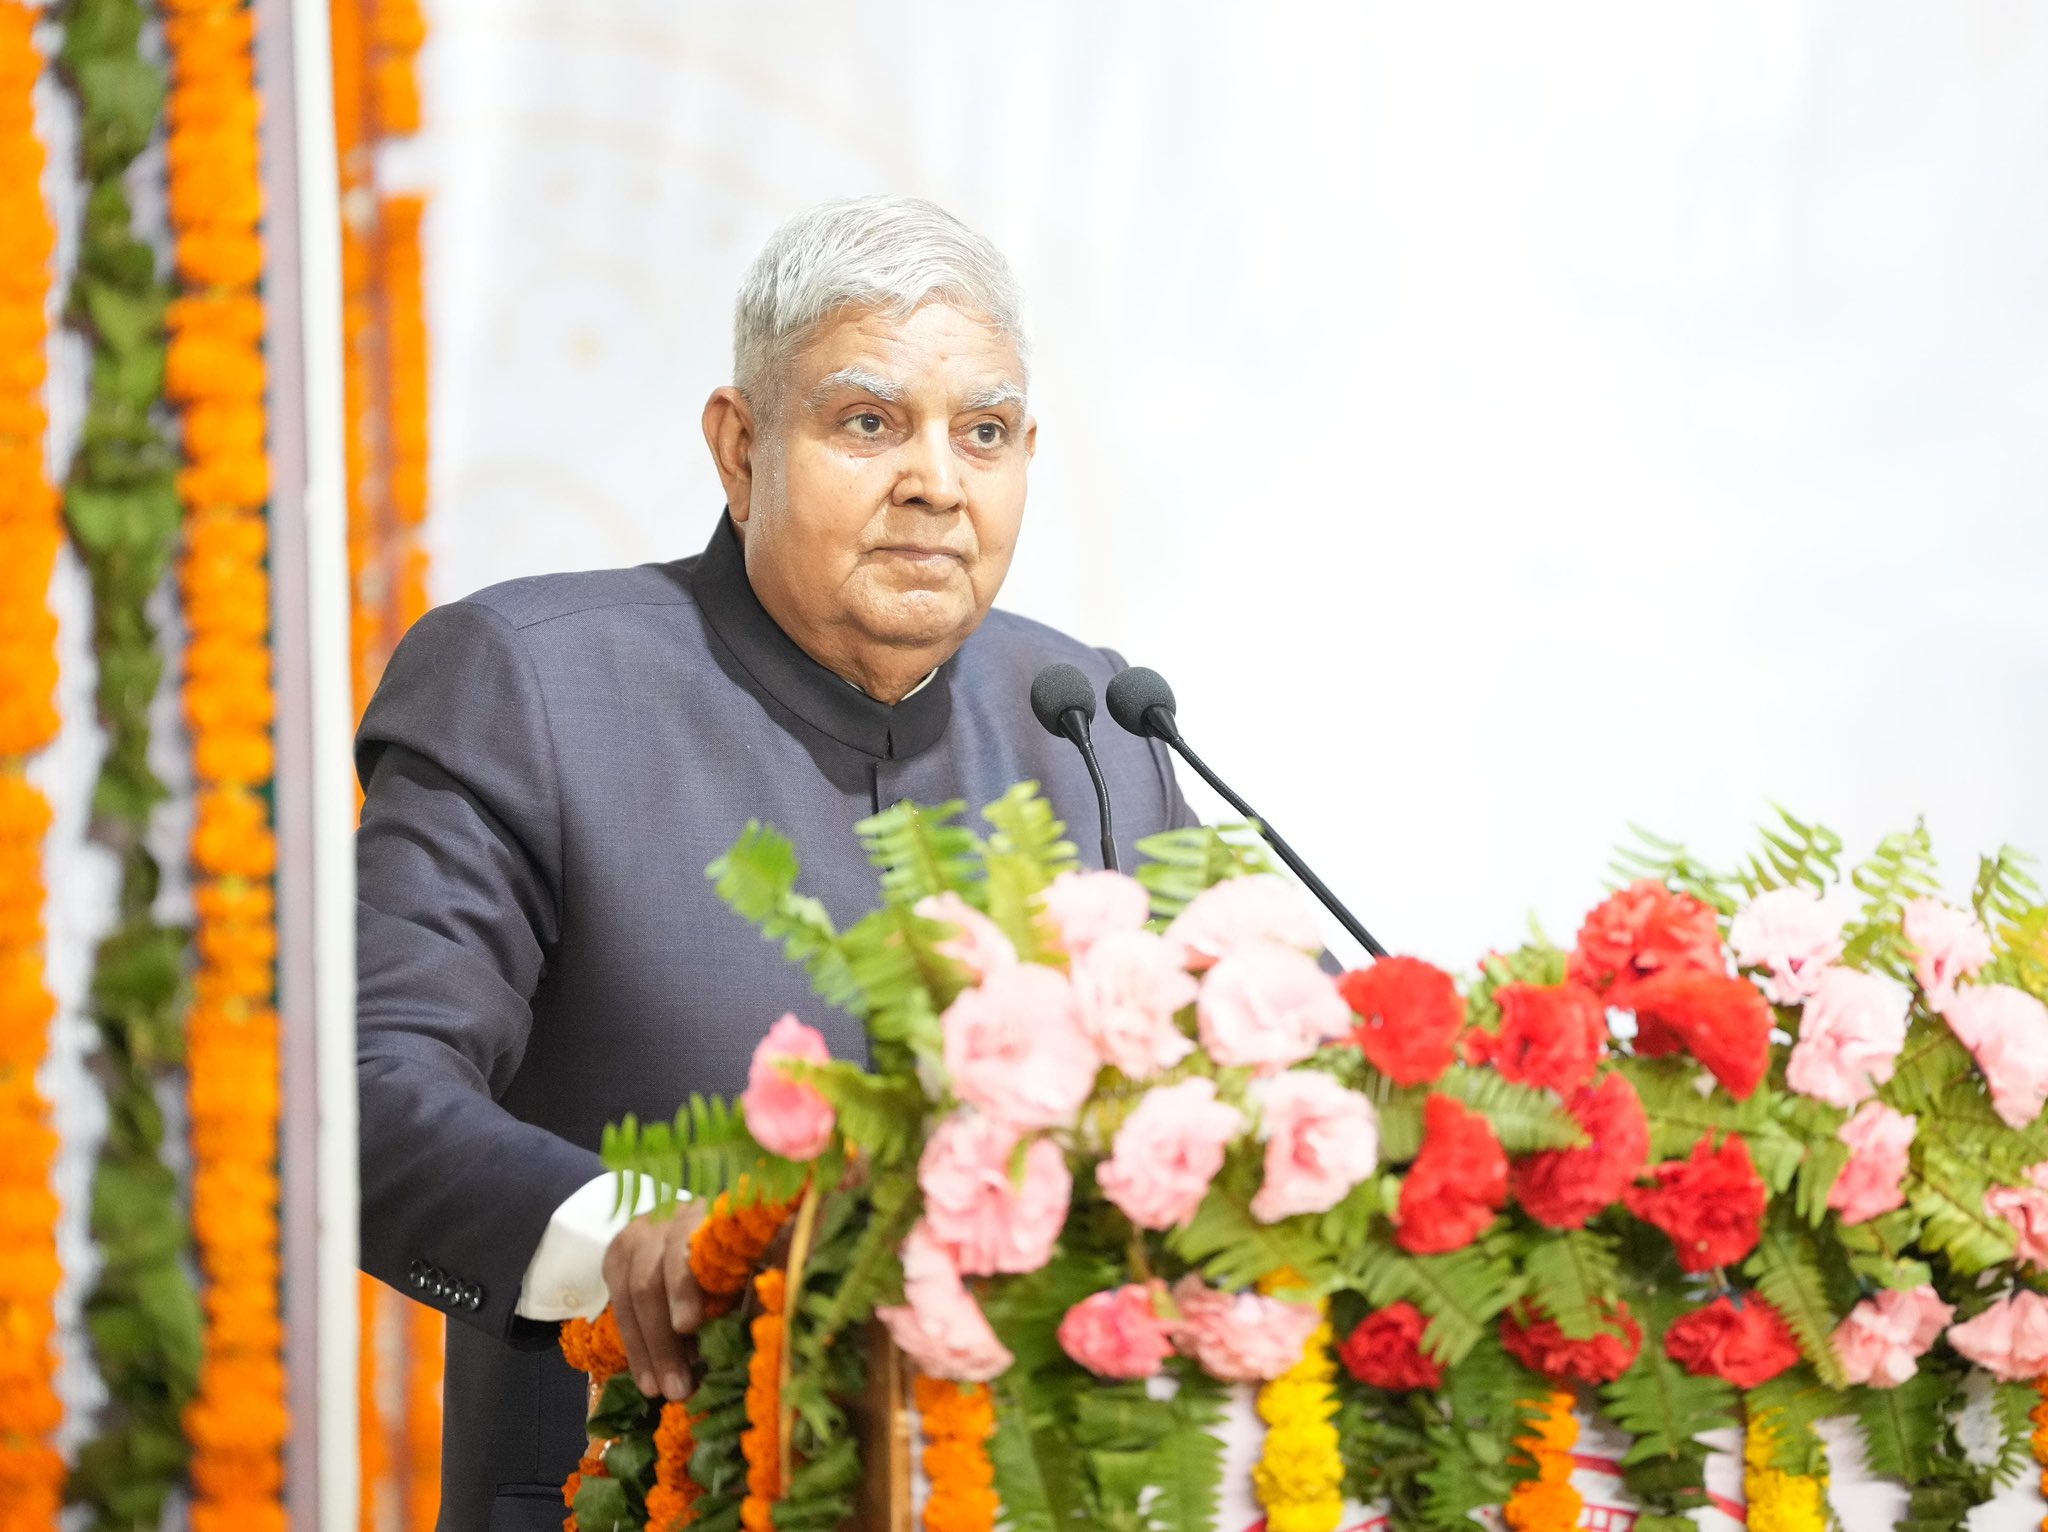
(761,1443)
(727,1246)
(214,370)
(31,1473)
(1547,1502)
(672,1503)
(957,1421)
(2039,1416)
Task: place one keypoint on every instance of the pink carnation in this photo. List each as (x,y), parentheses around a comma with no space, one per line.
(1872,1182)
(939,1325)
(1239,911)
(1240,1337)
(1087,906)
(987,1221)
(1015,1048)
(2006,1030)
(1850,1034)
(977,944)
(1268,1006)
(1321,1140)
(1128,987)
(1791,933)
(788,1117)
(2009,1340)
(1949,945)
(1167,1152)
(1883,1339)
(2026,1209)
(1119,1333)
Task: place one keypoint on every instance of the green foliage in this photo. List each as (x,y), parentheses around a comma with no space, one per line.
(1524,1119)
(1794,1402)
(1793,853)
(1026,850)
(1900,870)
(1462,1292)
(1786,1271)
(704,1151)
(1666,1409)
(1032,1455)
(1234,1249)
(1188,1455)
(1179,864)
(757,879)
(880,1115)
(1947,1191)
(920,851)
(1903,1426)
(1574,1277)
(719,1407)
(121,507)
(1668,862)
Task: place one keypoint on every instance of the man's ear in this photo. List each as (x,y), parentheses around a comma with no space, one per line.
(1030,438)
(730,434)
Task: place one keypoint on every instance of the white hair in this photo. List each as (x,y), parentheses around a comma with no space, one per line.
(894,254)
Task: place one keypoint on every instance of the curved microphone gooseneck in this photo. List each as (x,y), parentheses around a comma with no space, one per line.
(1142,703)
(1065,705)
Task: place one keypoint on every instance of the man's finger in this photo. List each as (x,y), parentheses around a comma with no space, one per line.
(685,1298)
(617,1269)
(650,1306)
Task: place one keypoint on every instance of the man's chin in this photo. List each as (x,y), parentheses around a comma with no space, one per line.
(920,620)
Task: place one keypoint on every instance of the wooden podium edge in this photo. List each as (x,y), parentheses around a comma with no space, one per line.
(881,1421)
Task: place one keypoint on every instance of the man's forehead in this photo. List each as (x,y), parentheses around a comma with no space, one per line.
(890,358)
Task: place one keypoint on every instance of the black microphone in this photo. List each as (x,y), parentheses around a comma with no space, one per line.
(1065,704)
(1142,702)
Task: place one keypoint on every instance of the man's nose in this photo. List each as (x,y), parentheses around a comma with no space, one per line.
(931,472)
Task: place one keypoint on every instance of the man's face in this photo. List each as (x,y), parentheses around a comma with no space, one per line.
(885,496)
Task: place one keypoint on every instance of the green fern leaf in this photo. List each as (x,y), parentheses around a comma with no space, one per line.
(1790,1405)
(1033,1459)
(1234,1250)
(1666,1409)
(1188,1459)
(920,851)
(1900,870)
(1462,1292)
(1180,864)
(1793,853)
(1787,1272)
(1027,850)
(1524,1119)
(1947,1191)
(757,880)
(1668,862)
(878,1114)
(1903,1426)
(1574,1277)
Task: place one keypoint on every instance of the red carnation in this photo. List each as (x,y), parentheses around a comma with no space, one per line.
(1645,929)
(1409,1017)
(1746,1344)
(1385,1351)
(1457,1183)
(1724,1023)
(1550,1035)
(1541,1346)
(1565,1187)
(1712,1205)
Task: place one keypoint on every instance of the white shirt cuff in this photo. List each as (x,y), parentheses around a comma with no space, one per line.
(565,1278)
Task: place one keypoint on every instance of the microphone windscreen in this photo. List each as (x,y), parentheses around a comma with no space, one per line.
(1058,691)
(1133,694)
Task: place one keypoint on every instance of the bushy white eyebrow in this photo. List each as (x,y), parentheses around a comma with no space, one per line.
(994,397)
(864,380)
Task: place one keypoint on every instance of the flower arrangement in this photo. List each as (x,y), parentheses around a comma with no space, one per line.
(1765,1141)
(31,1474)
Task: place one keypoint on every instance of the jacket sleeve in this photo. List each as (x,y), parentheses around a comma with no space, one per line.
(458,867)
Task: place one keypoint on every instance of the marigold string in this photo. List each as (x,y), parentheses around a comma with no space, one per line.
(1299,1477)
(760,1443)
(957,1420)
(672,1502)
(31,1473)
(728,1245)
(1778,1501)
(1546,1502)
(214,371)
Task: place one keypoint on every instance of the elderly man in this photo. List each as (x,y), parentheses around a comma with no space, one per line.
(549,765)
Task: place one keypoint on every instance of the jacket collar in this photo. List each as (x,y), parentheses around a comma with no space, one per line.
(782,670)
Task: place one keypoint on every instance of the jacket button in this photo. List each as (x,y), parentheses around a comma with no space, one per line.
(473,1299)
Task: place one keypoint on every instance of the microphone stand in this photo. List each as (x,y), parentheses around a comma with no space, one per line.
(1074,724)
(1161,721)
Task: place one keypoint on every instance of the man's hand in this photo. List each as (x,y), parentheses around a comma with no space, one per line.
(655,1299)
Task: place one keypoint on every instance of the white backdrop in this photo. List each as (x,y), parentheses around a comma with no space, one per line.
(1501,421)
